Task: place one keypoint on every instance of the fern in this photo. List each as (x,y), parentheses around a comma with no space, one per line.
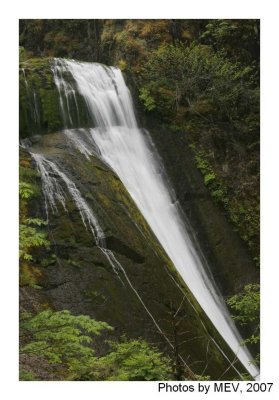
(30,237)
(25,190)
(35,221)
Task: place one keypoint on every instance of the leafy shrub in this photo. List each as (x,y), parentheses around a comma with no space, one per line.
(132,360)
(65,343)
(60,338)
(25,190)
(30,237)
(147,100)
(197,75)
(209,178)
(246,306)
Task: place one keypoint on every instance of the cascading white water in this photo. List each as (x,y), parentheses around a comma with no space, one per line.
(54,193)
(125,148)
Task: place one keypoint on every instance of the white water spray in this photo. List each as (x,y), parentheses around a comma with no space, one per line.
(127,150)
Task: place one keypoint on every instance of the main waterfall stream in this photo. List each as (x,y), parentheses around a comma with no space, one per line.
(128,150)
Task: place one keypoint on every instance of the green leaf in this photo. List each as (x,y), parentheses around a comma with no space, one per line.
(25,190)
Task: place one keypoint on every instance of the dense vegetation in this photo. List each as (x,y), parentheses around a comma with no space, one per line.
(60,344)
(33,240)
(246,310)
(196,80)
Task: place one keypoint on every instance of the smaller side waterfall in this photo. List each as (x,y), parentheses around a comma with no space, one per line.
(67,97)
(54,193)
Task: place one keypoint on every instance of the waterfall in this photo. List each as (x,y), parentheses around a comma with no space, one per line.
(33,106)
(120,143)
(54,193)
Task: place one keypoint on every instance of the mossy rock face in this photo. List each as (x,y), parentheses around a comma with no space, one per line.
(80,278)
(39,100)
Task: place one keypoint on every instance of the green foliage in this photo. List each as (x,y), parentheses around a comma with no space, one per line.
(30,275)
(122,64)
(26,172)
(191,75)
(147,100)
(36,221)
(45,262)
(242,211)
(246,306)
(25,190)
(202,163)
(218,195)
(61,339)
(66,343)
(30,237)
(132,360)
(209,178)
(25,375)
(202,377)
(226,35)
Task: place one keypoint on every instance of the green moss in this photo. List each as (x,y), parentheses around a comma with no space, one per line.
(218,194)
(209,178)
(39,101)
(30,276)
(38,98)
(35,63)
(51,117)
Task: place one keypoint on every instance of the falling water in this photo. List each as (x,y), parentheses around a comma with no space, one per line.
(54,193)
(128,151)
(33,105)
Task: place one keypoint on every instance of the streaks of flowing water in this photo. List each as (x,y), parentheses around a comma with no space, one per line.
(53,193)
(126,149)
